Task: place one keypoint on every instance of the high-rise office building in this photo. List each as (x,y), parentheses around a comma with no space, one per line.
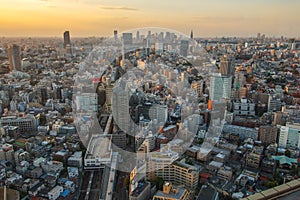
(137,35)
(44,94)
(120,109)
(127,39)
(184,47)
(115,34)
(289,136)
(192,34)
(14,57)
(227,65)
(149,35)
(268,134)
(67,39)
(220,87)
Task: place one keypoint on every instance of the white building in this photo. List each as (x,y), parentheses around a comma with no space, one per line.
(244,107)
(98,153)
(158,162)
(289,135)
(75,160)
(55,192)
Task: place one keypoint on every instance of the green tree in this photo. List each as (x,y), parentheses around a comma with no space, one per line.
(159,182)
(126,182)
(287,153)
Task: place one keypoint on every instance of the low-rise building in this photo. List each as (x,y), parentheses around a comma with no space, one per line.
(268,134)
(141,192)
(98,153)
(225,174)
(253,158)
(171,193)
(75,160)
(244,107)
(55,192)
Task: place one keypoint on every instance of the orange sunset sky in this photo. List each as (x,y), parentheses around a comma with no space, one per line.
(101,17)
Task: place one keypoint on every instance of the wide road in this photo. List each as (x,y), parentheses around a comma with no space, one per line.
(122,192)
(96,185)
(91,185)
(84,185)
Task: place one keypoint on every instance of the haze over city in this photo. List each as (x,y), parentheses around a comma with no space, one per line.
(149,100)
(99,17)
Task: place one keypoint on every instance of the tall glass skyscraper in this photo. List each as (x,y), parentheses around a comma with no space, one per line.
(220,87)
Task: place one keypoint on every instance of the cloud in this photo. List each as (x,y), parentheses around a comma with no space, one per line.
(119,8)
(45,0)
(219,19)
(51,6)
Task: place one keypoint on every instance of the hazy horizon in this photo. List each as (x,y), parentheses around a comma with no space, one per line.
(88,18)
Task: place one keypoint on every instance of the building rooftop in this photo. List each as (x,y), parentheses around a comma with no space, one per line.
(285,160)
(10,194)
(99,147)
(175,195)
(140,188)
(207,193)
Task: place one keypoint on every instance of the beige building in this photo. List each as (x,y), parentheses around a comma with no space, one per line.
(224,174)
(268,134)
(253,158)
(178,173)
(171,193)
(9,194)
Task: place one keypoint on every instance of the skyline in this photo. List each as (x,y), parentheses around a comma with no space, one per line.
(49,18)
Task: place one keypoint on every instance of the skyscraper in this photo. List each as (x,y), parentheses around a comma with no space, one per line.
(115,34)
(137,35)
(268,134)
(220,87)
(14,57)
(289,135)
(184,46)
(67,40)
(192,35)
(127,38)
(227,65)
(120,109)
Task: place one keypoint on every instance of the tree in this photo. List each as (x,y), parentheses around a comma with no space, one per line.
(226,197)
(126,182)
(287,153)
(270,184)
(159,182)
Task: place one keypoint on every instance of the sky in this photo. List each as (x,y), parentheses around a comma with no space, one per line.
(207,18)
